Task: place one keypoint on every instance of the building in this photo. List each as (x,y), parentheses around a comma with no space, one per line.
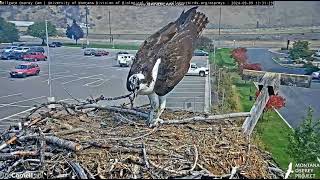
(22,25)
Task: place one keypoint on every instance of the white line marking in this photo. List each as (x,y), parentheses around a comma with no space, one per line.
(16,114)
(11,95)
(81,78)
(22,101)
(100,83)
(87,84)
(190,92)
(185,97)
(61,77)
(6,105)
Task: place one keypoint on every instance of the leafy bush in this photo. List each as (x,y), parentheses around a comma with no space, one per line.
(305,142)
(300,50)
(310,68)
(255,66)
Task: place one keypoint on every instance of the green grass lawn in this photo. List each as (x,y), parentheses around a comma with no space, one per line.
(223,58)
(107,46)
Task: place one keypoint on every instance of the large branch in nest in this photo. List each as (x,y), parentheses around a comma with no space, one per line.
(55,141)
(207,119)
(113,108)
(19,154)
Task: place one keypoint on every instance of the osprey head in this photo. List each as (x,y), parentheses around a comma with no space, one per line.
(134,82)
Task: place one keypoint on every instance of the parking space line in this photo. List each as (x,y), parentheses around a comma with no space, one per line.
(61,77)
(87,77)
(19,113)
(195,92)
(104,81)
(17,94)
(12,105)
(184,97)
(16,114)
(4,105)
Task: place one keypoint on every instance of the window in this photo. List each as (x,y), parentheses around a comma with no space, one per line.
(22,67)
(193,66)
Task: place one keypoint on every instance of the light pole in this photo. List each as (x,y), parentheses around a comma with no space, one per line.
(111,39)
(87,25)
(234,44)
(214,55)
(50,98)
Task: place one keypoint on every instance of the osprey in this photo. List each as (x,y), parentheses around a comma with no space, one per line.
(163,60)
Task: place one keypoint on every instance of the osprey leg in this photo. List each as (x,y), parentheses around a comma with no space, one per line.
(162,105)
(154,102)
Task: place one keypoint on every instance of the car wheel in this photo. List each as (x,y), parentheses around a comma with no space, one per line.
(120,65)
(37,73)
(202,74)
(12,76)
(24,75)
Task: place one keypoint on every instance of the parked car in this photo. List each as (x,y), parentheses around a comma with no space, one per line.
(21,49)
(125,59)
(89,52)
(315,75)
(101,53)
(18,55)
(36,49)
(24,70)
(199,71)
(7,55)
(122,52)
(10,48)
(200,53)
(35,56)
(55,44)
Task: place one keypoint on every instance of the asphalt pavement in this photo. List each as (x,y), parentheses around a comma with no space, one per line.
(298,99)
(82,77)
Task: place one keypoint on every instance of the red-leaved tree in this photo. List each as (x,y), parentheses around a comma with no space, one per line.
(255,66)
(275,101)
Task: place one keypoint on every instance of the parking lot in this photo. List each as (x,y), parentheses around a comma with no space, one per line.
(83,76)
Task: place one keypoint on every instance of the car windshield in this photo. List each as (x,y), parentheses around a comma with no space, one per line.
(19,48)
(22,67)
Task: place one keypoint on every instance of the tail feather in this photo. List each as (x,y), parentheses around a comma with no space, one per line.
(200,21)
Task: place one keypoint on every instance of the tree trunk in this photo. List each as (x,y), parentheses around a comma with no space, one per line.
(43,42)
(76,41)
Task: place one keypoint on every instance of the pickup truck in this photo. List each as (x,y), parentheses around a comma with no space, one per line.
(125,59)
(199,71)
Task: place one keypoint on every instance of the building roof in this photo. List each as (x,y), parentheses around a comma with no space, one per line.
(22,23)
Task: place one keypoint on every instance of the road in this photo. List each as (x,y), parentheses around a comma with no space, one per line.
(297,99)
(81,76)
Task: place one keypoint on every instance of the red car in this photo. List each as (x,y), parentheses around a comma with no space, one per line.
(35,56)
(24,70)
(101,53)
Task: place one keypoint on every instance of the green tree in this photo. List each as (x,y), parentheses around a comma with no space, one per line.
(300,50)
(38,30)
(74,31)
(8,32)
(304,143)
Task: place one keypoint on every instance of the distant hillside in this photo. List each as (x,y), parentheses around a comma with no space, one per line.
(140,20)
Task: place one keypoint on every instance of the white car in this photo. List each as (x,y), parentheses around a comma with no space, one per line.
(10,48)
(125,59)
(21,49)
(199,71)
(315,75)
